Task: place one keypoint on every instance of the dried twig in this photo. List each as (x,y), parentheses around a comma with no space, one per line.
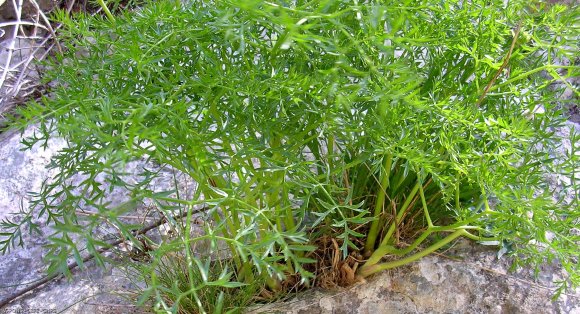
(502,67)
(14,70)
(11,42)
(49,27)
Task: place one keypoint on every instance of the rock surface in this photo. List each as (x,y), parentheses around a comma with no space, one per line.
(93,290)
(466,279)
(20,172)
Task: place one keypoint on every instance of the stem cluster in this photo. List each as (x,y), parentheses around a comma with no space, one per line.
(374,123)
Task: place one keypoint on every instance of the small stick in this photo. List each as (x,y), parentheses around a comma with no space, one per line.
(49,27)
(90,213)
(502,67)
(74,265)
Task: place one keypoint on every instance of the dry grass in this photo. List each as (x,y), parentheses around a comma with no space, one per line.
(28,37)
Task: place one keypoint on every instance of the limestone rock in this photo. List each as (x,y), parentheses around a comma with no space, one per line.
(468,278)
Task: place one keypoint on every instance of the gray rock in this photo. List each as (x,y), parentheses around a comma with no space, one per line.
(468,278)
(20,172)
(92,290)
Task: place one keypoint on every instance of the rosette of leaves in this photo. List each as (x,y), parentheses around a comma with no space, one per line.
(395,127)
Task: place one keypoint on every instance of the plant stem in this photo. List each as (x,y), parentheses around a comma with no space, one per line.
(330,151)
(379,205)
(371,268)
(400,214)
(471,236)
(526,74)
(107,12)
(502,67)
(457,203)
(424,202)
(276,181)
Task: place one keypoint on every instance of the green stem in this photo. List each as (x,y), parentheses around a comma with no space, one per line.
(399,178)
(330,151)
(389,249)
(289,219)
(400,214)
(457,203)
(107,12)
(392,250)
(372,264)
(371,268)
(274,198)
(526,74)
(383,185)
(471,236)
(424,202)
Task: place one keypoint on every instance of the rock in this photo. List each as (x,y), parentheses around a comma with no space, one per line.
(23,171)
(468,278)
(92,290)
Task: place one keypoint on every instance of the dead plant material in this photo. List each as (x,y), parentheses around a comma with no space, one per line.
(331,270)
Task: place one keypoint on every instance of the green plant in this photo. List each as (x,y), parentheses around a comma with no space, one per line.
(203,285)
(379,124)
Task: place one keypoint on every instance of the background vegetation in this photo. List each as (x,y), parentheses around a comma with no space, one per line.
(385,129)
